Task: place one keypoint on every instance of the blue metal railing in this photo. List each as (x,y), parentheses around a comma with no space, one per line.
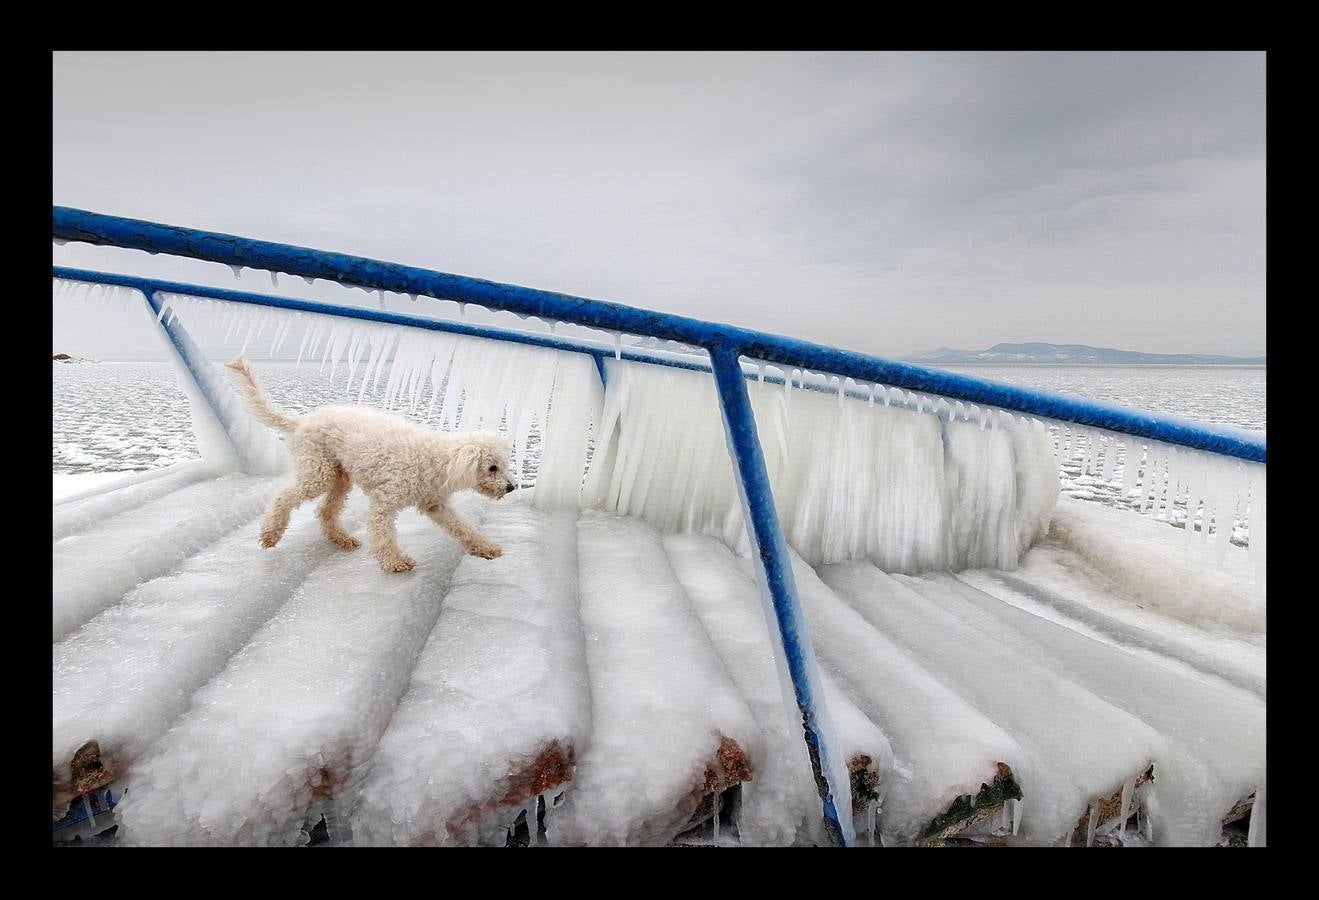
(78,225)
(725,344)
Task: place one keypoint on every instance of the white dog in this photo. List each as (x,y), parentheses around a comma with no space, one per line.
(397,465)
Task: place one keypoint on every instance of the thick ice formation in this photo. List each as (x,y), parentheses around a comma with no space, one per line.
(459,382)
(499,703)
(1214,732)
(942,746)
(1079,746)
(94,568)
(228,437)
(780,805)
(128,674)
(661,699)
(1151,563)
(911,491)
(298,710)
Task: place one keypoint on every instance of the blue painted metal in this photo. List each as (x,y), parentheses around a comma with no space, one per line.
(96,228)
(210,385)
(783,611)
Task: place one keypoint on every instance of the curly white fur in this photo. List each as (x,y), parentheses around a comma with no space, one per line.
(396,464)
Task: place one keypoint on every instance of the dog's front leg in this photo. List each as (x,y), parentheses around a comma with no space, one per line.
(383,539)
(463,531)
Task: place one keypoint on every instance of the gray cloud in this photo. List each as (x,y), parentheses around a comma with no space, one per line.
(886,202)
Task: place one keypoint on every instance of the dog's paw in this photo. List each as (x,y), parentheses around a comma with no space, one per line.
(485,551)
(398,564)
(346,541)
(269,539)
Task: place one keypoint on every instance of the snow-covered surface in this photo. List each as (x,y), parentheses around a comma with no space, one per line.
(300,706)
(124,677)
(661,698)
(1060,586)
(1153,564)
(1214,731)
(782,799)
(1078,746)
(238,692)
(86,497)
(942,746)
(502,679)
(96,567)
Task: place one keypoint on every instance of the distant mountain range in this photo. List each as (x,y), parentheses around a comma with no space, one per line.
(1077,353)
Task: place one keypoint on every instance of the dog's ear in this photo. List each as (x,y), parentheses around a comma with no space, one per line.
(468,459)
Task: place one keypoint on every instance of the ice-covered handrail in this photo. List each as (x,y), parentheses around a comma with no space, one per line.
(96,228)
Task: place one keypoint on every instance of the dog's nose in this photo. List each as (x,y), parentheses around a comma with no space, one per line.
(509,487)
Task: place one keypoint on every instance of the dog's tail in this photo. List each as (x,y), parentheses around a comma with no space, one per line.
(256,399)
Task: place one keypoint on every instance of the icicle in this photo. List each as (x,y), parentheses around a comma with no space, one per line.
(1128,790)
(1256,835)
(380,296)
(88,808)
(873,388)
(838,388)
(1094,821)
(412,297)
(160,314)
(618,345)
(1016,816)
(238,272)
(274,278)
(716,817)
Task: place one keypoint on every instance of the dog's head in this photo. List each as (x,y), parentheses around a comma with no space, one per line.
(484,461)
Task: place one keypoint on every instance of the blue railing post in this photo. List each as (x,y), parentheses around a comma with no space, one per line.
(252,449)
(787,625)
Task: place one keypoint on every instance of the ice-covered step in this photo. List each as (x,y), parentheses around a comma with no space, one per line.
(86,508)
(952,766)
(122,679)
(670,729)
(499,706)
(1058,585)
(1214,730)
(781,803)
(1078,746)
(298,710)
(96,567)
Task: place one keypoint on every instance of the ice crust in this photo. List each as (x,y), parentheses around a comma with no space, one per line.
(501,680)
(780,805)
(942,746)
(1214,731)
(661,698)
(82,510)
(1152,564)
(128,674)
(96,567)
(299,709)
(1079,747)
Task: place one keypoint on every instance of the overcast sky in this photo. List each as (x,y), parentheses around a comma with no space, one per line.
(885,202)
